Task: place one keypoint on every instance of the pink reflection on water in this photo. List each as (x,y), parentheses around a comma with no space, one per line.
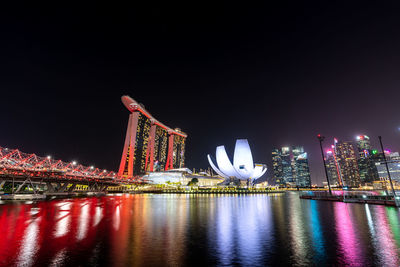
(349,244)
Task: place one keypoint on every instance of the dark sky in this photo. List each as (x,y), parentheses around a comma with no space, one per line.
(276,73)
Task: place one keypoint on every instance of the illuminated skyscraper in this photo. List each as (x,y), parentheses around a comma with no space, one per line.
(363,143)
(301,170)
(160,149)
(366,162)
(179,150)
(347,161)
(149,144)
(277,166)
(393,161)
(287,169)
(290,167)
(332,168)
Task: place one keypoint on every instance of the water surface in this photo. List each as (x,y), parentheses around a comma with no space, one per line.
(192,230)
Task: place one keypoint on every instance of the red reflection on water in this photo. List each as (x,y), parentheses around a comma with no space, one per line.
(48,229)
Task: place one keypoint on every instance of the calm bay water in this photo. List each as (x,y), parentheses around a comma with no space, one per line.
(193,230)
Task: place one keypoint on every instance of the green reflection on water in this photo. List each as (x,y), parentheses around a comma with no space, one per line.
(393,215)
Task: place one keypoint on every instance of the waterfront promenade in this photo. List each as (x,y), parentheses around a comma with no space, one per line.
(353,197)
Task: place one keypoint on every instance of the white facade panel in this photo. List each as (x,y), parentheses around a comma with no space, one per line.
(215,167)
(243,165)
(224,164)
(242,159)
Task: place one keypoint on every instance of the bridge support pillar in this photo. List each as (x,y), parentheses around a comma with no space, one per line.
(2,184)
(50,187)
(72,188)
(103,188)
(93,187)
(63,187)
(20,187)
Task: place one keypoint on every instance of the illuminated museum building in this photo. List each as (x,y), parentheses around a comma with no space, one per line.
(243,167)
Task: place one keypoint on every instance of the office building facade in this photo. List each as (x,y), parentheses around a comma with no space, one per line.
(348,165)
(290,166)
(366,160)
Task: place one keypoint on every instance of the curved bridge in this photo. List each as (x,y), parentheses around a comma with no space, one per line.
(29,172)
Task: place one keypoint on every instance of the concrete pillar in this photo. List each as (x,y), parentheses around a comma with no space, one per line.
(130,140)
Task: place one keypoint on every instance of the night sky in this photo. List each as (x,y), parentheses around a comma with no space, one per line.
(274,73)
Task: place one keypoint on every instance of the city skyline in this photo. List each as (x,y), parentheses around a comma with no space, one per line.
(200,133)
(277,75)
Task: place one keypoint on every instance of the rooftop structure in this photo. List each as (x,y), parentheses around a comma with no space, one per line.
(149,144)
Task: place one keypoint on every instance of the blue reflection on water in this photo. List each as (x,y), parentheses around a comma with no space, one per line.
(316,233)
(244,230)
(225,232)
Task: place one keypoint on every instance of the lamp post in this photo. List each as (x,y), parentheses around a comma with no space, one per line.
(387,169)
(321,138)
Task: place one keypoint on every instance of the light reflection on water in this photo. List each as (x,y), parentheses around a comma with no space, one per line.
(178,230)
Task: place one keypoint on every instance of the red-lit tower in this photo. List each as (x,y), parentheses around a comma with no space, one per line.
(149,144)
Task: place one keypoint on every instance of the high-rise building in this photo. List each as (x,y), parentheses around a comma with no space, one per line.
(149,144)
(363,143)
(277,166)
(332,168)
(366,162)
(301,170)
(393,161)
(347,162)
(287,169)
(290,166)
(394,169)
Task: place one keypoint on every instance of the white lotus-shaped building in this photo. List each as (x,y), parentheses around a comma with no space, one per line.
(243,167)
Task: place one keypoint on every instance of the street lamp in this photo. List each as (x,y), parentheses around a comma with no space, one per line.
(321,138)
(387,169)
